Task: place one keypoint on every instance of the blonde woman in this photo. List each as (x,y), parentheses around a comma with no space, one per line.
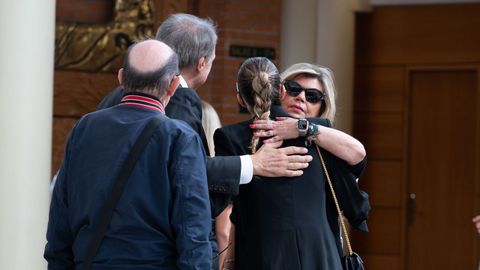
(289,223)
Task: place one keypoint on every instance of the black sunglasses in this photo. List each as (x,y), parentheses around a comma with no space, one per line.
(312,95)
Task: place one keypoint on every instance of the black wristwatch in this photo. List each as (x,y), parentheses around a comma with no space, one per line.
(302,126)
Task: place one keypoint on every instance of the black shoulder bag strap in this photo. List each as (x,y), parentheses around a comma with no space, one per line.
(117,190)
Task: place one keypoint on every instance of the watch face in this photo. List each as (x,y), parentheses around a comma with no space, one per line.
(302,124)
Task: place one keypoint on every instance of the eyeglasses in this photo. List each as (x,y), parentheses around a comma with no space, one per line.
(312,95)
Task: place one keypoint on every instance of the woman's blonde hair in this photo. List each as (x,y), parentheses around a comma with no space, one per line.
(210,123)
(324,76)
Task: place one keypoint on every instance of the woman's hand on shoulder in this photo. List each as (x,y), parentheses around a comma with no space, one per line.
(283,128)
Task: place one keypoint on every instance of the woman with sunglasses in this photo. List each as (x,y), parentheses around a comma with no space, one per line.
(287,223)
(309,93)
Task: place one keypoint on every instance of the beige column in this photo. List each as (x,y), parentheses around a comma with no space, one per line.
(335,49)
(26,80)
(322,32)
(299,31)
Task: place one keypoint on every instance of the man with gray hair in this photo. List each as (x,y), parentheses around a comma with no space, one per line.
(194,40)
(162,219)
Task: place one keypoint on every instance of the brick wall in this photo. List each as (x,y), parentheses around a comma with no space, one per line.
(245,23)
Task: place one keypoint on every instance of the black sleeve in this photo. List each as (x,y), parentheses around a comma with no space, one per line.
(112,99)
(223,173)
(229,163)
(353,201)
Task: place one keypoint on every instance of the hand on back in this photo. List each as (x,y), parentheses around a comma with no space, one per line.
(272,161)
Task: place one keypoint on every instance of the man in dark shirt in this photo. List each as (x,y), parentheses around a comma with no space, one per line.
(162,220)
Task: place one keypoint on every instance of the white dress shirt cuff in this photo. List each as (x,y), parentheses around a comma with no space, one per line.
(246,173)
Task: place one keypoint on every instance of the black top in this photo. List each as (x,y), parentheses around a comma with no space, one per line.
(289,223)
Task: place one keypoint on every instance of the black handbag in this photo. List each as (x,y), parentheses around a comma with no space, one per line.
(117,190)
(351,260)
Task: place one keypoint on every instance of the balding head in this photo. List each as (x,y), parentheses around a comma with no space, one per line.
(149,67)
(149,55)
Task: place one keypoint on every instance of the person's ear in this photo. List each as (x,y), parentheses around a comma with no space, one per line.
(120,75)
(283,92)
(174,83)
(202,62)
(240,101)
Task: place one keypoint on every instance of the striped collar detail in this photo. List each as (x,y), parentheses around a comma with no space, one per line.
(142,101)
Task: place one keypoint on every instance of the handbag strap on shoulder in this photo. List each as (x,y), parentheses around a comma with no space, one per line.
(337,205)
(117,190)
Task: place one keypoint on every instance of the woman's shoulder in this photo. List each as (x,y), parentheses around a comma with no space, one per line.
(235,128)
(233,139)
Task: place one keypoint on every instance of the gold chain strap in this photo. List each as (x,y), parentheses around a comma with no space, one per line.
(340,213)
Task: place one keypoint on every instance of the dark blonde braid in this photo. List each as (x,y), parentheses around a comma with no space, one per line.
(258,85)
(262,102)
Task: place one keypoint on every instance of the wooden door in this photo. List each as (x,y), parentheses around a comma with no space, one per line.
(442,163)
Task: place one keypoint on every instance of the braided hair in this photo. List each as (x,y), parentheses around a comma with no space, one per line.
(258,85)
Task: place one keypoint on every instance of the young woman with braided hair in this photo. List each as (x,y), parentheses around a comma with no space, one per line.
(289,223)
(261,77)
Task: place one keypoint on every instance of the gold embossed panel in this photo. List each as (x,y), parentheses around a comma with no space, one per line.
(101,47)
(88,43)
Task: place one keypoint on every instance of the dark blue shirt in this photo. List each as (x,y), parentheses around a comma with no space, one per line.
(162,220)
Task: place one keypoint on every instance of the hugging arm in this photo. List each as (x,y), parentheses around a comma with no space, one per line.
(335,141)
(270,160)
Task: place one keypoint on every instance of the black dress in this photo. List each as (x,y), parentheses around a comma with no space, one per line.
(284,223)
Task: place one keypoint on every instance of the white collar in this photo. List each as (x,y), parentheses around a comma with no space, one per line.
(183,83)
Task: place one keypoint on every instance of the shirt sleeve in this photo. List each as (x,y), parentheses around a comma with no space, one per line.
(246,173)
(191,217)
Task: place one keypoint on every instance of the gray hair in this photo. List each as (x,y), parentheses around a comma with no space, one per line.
(190,37)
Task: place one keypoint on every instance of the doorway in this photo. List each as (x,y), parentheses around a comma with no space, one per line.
(442,169)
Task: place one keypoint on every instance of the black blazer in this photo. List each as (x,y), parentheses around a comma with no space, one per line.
(223,172)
